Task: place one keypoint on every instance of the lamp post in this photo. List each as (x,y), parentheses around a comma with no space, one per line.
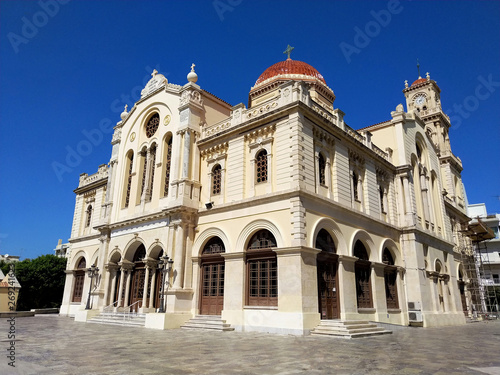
(92,273)
(165,266)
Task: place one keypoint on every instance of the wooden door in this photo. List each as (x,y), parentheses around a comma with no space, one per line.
(137,288)
(327,290)
(212,288)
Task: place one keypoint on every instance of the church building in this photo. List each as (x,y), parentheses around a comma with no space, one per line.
(274,217)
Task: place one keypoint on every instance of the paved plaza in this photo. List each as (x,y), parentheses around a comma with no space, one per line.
(58,345)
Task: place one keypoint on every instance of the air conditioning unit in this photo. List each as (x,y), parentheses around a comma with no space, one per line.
(415,316)
(414,306)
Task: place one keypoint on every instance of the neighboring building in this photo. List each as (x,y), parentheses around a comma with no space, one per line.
(9,291)
(62,250)
(9,258)
(491,248)
(277,215)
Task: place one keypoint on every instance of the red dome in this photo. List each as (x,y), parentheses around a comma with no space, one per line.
(420,80)
(289,66)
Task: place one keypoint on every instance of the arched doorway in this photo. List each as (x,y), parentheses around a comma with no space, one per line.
(390,279)
(461,287)
(212,278)
(327,267)
(138,279)
(79,280)
(362,270)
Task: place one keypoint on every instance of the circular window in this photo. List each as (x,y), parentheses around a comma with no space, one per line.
(152,125)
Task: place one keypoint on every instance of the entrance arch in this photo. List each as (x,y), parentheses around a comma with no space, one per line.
(362,273)
(327,268)
(138,279)
(212,277)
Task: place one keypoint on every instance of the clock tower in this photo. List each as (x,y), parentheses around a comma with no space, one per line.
(424,100)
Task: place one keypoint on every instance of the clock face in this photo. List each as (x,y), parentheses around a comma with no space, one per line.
(420,99)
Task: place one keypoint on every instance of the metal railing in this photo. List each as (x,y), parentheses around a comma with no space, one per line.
(127,313)
(109,306)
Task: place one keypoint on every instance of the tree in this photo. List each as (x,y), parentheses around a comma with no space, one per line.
(42,282)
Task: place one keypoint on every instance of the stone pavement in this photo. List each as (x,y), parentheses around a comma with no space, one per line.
(58,345)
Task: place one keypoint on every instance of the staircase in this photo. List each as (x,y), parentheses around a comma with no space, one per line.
(208,323)
(120,319)
(348,329)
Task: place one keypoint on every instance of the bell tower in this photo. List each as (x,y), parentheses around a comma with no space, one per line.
(424,100)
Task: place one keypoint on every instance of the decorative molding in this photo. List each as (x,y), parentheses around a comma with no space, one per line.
(215,152)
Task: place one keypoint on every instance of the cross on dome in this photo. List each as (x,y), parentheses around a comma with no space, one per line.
(155,72)
(288,51)
(192,67)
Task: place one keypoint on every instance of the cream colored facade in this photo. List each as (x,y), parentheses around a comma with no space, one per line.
(204,182)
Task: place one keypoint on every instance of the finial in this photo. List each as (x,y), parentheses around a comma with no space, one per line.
(124,114)
(288,51)
(155,72)
(406,83)
(418,68)
(428,76)
(192,76)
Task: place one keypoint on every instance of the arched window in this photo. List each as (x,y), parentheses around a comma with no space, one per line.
(152,176)
(362,272)
(216,180)
(419,152)
(381,194)
(89,216)
(261,166)
(79,275)
(214,246)
(130,163)
(168,160)
(325,242)
(152,125)
(355,181)
(390,277)
(262,270)
(144,167)
(321,169)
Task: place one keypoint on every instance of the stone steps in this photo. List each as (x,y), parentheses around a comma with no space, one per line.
(208,323)
(348,329)
(121,319)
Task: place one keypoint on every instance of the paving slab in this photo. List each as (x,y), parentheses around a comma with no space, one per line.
(51,344)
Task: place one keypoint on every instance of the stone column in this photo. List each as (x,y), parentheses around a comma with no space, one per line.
(127,288)
(425,199)
(409,212)
(378,286)
(113,287)
(179,255)
(152,295)
(145,290)
(122,280)
(109,277)
(186,158)
(347,287)
(328,177)
(444,287)
(188,265)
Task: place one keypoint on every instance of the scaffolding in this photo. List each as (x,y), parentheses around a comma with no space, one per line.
(482,301)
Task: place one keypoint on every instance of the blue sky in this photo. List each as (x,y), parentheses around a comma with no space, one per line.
(68,67)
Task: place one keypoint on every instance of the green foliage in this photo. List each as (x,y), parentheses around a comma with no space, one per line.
(42,282)
(4,267)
